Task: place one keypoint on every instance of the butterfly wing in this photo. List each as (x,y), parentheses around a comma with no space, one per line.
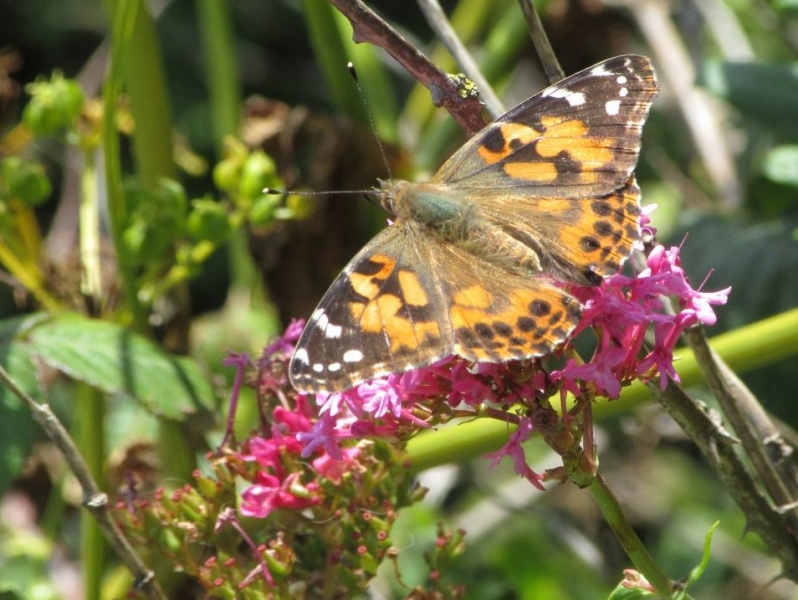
(384,314)
(578,138)
(556,171)
(377,317)
(578,240)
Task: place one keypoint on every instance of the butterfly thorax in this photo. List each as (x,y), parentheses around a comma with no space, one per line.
(451,215)
(438,207)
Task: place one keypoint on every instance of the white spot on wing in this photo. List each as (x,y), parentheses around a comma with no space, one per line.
(613,107)
(623,93)
(573,98)
(353,356)
(318,368)
(333,367)
(621,79)
(599,70)
(319,318)
(301,355)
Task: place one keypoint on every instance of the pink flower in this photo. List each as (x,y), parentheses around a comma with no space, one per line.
(514,449)
(666,334)
(600,371)
(270,493)
(382,396)
(322,435)
(333,469)
(700,302)
(331,404)
(286,342)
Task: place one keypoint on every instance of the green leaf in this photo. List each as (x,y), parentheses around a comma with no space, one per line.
(122,363)
(781,165)
(622,593)
(698,571)
(17,428)
(763,93)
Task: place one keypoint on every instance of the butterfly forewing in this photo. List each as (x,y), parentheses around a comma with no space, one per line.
(577,138)
(380,316)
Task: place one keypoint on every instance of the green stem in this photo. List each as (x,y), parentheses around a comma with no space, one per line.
(216,29)
(122,22)
(91,283)
(743,349)
(627,537)
(145,84)
(90,439)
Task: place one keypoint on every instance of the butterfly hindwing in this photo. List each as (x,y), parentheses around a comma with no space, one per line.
(384,315)
(580,240)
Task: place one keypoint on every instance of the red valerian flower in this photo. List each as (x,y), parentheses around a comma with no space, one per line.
(514,449)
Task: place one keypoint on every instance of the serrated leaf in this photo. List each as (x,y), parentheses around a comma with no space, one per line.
(120,362)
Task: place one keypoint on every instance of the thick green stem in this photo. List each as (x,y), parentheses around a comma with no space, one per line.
(90,439)
(627,537)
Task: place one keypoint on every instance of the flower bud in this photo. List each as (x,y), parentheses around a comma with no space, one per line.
(259,172)
(54,105)
(208,221)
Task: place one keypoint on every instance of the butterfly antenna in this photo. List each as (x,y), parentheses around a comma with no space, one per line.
(361,93)
(276,191)
(368,193)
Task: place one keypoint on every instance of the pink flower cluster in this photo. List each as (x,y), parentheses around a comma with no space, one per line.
(278,484)
(635,334)
(621,311)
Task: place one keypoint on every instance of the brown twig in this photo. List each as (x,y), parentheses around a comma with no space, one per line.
(759,437)
(94,500)
(446,91)
(718,448)
(441,26)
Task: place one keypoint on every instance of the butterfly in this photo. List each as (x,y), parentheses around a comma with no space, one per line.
(474,261)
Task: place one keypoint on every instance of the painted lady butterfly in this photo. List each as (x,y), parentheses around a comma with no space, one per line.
(543,194)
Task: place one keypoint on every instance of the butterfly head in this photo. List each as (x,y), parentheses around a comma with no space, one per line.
(390,192)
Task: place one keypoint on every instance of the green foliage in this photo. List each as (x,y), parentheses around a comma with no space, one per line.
(23,181)
(121,364)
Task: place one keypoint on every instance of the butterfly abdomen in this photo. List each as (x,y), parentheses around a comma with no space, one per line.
(498,247)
